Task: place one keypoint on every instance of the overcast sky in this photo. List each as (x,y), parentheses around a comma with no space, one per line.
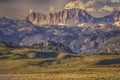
(19,8)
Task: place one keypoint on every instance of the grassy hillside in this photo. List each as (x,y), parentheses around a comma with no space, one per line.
(71,67)
(51,45)
(43,50)
(22,63)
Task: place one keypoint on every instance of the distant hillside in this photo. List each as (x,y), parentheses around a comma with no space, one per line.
(53,46)
(48,49)
(48,45)
(8,45)
(78,39)
(111,46)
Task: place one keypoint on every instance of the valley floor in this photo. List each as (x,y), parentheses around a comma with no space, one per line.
(77,67)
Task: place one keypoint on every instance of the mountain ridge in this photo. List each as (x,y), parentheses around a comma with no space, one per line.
(71,17)
(66,16)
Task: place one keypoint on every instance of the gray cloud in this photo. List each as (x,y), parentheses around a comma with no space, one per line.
(19,8)
(95,7)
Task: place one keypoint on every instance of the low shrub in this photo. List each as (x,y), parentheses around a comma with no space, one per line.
(31,55)
(63,55)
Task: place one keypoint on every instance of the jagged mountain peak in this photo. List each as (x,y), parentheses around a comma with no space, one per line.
(116,16)
(115,12)
(71,17)
(66,17)
(79,11)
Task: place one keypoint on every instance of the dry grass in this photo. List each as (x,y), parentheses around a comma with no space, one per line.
(16,51)
(68,76)
(79,67)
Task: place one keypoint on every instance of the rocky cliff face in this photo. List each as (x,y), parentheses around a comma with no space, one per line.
(71,17)
(116,15)
(111,46)
(66,17)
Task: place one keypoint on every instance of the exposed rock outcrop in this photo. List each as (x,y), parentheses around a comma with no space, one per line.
(68,17)
(72,17)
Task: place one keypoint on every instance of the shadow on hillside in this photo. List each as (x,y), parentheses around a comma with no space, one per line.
(45,54)
(46,61)
(42,63)
(109,61)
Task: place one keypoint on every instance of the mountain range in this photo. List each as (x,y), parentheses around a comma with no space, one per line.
(74,28)
(71,17)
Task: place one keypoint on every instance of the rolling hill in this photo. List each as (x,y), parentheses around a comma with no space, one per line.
(43,50)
